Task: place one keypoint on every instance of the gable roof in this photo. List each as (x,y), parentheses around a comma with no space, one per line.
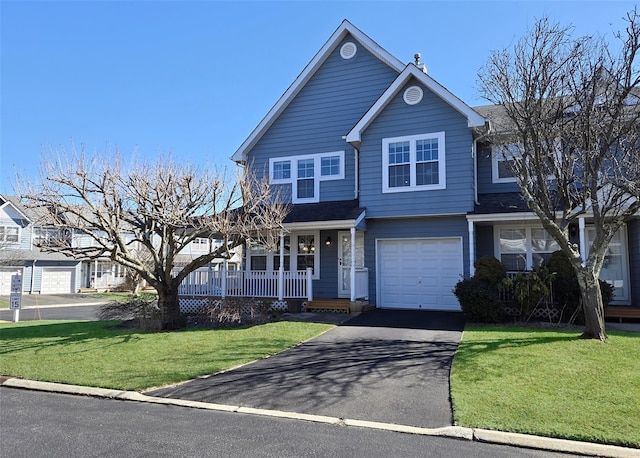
(13,202)
(346,28)
(412,71)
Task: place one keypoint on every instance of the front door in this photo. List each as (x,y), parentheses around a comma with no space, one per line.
(344,260)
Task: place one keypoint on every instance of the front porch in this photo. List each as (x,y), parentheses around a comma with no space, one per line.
(279,285)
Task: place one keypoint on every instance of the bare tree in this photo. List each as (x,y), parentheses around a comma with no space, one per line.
(143,216)
(570,112)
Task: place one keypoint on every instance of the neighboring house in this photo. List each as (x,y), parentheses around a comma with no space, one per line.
(55,273)
(394,192)
(45,273)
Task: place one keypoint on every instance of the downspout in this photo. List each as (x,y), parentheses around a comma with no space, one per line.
(474,155)
(33,274)
(356,154)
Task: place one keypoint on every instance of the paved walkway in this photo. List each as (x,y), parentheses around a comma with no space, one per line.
(386,366)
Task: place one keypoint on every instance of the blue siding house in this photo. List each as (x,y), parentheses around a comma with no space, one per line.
(394,193)
(46,272)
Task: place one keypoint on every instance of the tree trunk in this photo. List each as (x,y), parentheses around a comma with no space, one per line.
(170,316)
(592,306)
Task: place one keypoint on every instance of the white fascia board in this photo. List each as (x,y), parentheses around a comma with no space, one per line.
(502,217)
(8,203)
(343,30)
(473,118)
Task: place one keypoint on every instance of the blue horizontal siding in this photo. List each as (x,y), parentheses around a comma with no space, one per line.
(633,233)
(324,111)
(431,115)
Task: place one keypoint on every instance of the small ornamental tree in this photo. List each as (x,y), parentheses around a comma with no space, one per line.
(570,130)
(143,215)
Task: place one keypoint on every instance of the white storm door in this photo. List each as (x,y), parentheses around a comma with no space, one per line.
(344,260)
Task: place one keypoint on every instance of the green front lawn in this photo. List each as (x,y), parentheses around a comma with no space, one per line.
(93,353)
(548,382)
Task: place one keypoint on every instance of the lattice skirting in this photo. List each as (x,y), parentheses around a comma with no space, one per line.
(192,305)
(539,313)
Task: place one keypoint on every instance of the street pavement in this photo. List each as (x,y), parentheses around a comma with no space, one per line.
(54,307)
(36,424)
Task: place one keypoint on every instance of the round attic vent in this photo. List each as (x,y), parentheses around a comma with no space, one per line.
(413,95)
(348,50)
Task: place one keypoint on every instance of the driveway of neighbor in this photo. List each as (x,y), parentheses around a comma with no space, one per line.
(385,365)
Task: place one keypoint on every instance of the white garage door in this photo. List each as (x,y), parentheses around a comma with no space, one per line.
(57,281)
(5,281)
(419,273)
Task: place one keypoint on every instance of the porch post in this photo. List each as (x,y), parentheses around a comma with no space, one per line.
(472,247)
(281,269)
(309,284)
(224,278)
(95,274)
(352,273)
(583,239)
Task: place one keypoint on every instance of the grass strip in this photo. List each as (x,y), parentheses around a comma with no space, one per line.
(549,383)
(95,353)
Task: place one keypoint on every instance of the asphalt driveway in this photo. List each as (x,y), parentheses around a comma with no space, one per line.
(384,365)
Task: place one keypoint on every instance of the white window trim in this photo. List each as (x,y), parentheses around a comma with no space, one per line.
(5,233)
(318,177)
(274,180)
(412,163)
(496,157)
(293,254)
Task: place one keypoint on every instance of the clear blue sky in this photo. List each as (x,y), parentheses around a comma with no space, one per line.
(195,78)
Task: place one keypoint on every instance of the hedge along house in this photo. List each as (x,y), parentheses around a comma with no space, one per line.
(393,193)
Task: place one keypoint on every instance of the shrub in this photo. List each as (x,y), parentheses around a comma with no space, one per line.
(479,301)
(531,289)
(606,290)
(488,269)
(141,313)
(566,289)
(235,311)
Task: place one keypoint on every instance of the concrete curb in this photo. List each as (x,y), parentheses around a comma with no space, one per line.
(455,432)
(557,445)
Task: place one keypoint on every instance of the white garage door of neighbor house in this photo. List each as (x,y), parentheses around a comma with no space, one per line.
(57,281)
(419,273)
(5,281)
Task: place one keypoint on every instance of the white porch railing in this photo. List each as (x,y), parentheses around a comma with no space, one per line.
(208,282)
(362,283)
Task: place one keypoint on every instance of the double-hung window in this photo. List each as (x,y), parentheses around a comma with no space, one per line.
(502,161)
(306,182)
(413,163)
(305,172)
